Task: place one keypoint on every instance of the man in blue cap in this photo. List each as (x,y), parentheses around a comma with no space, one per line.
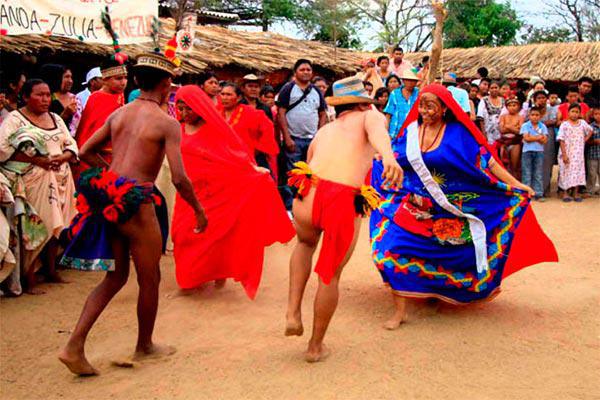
(460,95)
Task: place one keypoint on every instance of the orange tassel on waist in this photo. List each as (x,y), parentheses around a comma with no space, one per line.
(301,178)
(371,197)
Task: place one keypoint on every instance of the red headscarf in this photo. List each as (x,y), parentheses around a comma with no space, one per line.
(224,135)
(446,98)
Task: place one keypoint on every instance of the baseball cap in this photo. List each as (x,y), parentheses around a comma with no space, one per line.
(92,73)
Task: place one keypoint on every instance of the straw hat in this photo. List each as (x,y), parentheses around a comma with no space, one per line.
(157,61)
(409,75)
(349,91)
(115,70)
(252,78)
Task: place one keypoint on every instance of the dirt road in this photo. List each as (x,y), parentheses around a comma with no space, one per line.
(540,339)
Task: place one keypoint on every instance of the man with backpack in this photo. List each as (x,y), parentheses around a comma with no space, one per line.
(302,111)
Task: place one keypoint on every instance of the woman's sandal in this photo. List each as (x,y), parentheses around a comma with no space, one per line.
(567,199)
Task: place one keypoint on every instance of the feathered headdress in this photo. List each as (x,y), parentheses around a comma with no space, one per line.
(167,62)
(155,34)
(119,56)
(116,65)
(171,51)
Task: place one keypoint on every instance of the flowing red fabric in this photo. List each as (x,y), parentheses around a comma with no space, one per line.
(334,213)
(254,128)
(530,244)
(244,210)
(97,110)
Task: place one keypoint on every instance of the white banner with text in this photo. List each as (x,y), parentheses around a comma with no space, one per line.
(79,19)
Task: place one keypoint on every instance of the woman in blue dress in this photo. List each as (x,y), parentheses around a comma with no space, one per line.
(456,226)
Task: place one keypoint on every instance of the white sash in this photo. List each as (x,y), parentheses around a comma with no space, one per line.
(476,226)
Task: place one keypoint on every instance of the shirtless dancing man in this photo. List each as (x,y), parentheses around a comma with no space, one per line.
(339,158)
(141,134)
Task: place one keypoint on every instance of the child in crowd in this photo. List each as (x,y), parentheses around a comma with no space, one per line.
(510,129)
(553,100)
(505,90)
(368,87)
(571,98)
(572,135)
(382,95)
(535,136)
(593,155)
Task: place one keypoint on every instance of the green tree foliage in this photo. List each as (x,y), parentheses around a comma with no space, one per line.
(256,12)
(324,20)
(405,22)
(475,23)
(546,35)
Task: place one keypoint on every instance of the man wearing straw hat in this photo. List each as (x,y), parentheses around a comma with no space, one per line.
(460,95)
(331,199)
(401,101)
(118,205)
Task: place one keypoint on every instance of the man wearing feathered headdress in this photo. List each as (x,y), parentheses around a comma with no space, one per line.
(102,103)
(122,213)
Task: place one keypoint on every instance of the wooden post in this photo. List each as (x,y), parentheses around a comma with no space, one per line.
(335,31)
(440,14)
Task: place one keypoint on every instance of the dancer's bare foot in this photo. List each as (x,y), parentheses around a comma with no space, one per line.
(154,351)
(220,283)
(77,363)
(293,326)
(395,322)
(317,353)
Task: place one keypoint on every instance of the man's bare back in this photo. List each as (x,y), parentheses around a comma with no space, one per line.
(137,133)
(342,151)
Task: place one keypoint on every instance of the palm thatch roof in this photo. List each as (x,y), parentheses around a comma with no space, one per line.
(266,52)
(215,47)
(551,61)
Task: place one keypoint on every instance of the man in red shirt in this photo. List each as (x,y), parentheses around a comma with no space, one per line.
(572,97)
(101,104)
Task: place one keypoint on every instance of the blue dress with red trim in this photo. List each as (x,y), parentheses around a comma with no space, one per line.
(105,199)
(422,250)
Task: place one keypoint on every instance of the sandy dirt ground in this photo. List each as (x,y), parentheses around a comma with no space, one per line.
(540,339)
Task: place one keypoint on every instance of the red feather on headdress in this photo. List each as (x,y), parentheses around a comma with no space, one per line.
(119,56)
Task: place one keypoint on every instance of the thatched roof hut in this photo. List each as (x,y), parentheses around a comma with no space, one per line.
(561,62)
(233,54)
(215,48)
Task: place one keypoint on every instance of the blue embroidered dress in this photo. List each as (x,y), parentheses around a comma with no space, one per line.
(424,250)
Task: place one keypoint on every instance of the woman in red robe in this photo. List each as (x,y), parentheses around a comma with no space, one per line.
(241,202)
(251,125)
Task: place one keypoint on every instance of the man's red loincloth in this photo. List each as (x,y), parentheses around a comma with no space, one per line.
(335,208)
